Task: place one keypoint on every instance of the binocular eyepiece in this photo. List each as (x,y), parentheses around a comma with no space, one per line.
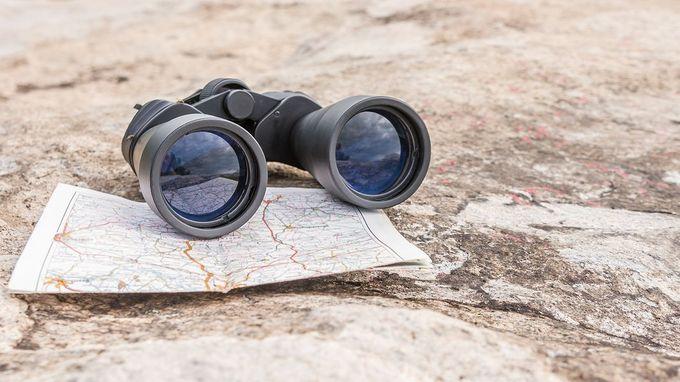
(201,162)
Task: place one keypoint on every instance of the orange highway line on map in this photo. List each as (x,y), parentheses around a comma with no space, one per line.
(261,267)
(59,283)
(209,275)
(274,237)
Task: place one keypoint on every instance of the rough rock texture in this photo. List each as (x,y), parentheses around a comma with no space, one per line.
(550,210)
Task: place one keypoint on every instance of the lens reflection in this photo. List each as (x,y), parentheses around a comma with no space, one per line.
(371,152)
(202,175)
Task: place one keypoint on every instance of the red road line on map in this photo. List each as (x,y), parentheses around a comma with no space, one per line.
(59,238)
(83,228)
(267,202)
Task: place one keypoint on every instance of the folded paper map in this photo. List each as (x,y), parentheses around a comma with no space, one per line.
(88,241)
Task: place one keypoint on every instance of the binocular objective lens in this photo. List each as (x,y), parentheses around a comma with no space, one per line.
(371,152)
(203,175)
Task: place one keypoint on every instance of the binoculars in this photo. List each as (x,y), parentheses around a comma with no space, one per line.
(201,161)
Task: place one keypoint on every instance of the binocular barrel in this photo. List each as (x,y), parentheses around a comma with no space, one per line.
(372,152)
(201,162)
(204,175)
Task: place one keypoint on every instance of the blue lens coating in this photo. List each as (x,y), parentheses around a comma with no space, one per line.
(371,152)
(202,175)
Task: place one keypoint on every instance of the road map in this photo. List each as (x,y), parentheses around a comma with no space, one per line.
(92,242)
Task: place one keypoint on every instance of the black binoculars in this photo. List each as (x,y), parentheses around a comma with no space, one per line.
(201,161)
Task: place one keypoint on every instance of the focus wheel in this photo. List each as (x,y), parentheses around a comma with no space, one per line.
(220,85)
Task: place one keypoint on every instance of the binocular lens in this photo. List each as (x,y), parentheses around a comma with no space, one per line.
(203,175)
(371,152)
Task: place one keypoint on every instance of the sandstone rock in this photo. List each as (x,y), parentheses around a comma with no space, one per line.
(550,209)
(13,321)
(336,343)
(8,165)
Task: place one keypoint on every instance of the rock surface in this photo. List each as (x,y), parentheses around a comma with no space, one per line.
(550,210)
